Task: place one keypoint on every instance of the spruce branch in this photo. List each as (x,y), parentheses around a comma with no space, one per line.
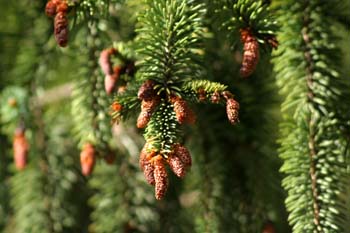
(169,42)
(315,169)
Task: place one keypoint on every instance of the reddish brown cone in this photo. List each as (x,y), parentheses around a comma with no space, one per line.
(250,53)
(61,29)
(176,165)
(105,60)
(202,95)
(146,91)
(183,154)
(269,228)
(20,149)
(215,97)
(146,165)
(184,113)
(110,158)
(232,107)
(160,177)
(51,8)
(62,7)
(147,108)
(87,159)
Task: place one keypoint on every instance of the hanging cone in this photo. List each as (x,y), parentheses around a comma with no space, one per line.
(20,149)
(147,109)
(160,177)
(184,113)
(87,159)
(146,165)
(184,155)
(105,60)
(232,107)
(146,91)
(51,8)
(176,165)
(250,53)
(61,29)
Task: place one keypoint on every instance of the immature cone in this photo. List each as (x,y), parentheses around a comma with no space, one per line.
(269,228)
(20,149)
(146,91)
(147,109)
(202,95)
(105,60)
(183,154)
(215,97)
(116,107)
(51,8)
(146,165)
(61,28)
(62,6)
(184,113)
(110,158)
(160,177)
(112,79)
(232,107)
(176,165)
(250,52)
(87,159)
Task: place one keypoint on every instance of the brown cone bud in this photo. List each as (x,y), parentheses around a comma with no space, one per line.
(62,7)
(146,91)
(215,97)
(184,155)
(20,149)
(176,165)
(110,158)
(51,8)
(202,95)
(61,29)
(110,81)
(12,102)
(147,108)
(146,164)
(105,61)
(272,41)
(117,107)
(232,107)
(227,95)
(87,159)
(184,113)
(250,52)
(160,177)
(269,228)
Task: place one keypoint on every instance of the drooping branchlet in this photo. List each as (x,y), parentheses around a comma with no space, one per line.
(20,148)
(87,159)
(250,52)
(184,113)
(232,108)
